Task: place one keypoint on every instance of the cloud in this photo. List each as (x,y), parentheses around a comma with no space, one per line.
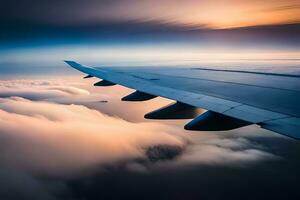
(183,12)
(43,139)
(218,155)
(61,139)
(38,90)
(82,92)
(55,139)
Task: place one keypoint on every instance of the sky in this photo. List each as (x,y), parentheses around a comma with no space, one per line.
(63,138)
(233,26)
(215,14)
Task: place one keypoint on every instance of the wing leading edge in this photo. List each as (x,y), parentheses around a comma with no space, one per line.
(235,98)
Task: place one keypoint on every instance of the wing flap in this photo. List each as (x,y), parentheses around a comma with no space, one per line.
(253,114)
(287,126)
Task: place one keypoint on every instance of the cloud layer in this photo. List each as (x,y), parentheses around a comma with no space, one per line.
(56,138)
(42,138)
(61,139)
(38,90)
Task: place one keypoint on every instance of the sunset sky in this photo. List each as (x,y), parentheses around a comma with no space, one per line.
(176,30)
(63,138)
(213,14)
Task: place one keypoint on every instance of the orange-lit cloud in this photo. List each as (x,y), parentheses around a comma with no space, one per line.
(239,13)
(38,90)
(62,139)
(44,138)
(214,14)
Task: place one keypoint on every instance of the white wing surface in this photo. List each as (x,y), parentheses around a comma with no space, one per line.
(233,98)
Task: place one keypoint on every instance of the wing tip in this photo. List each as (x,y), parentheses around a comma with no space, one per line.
(79,67)
(70,62)
(74,64)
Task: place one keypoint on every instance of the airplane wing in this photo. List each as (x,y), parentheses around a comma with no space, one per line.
(232,98)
